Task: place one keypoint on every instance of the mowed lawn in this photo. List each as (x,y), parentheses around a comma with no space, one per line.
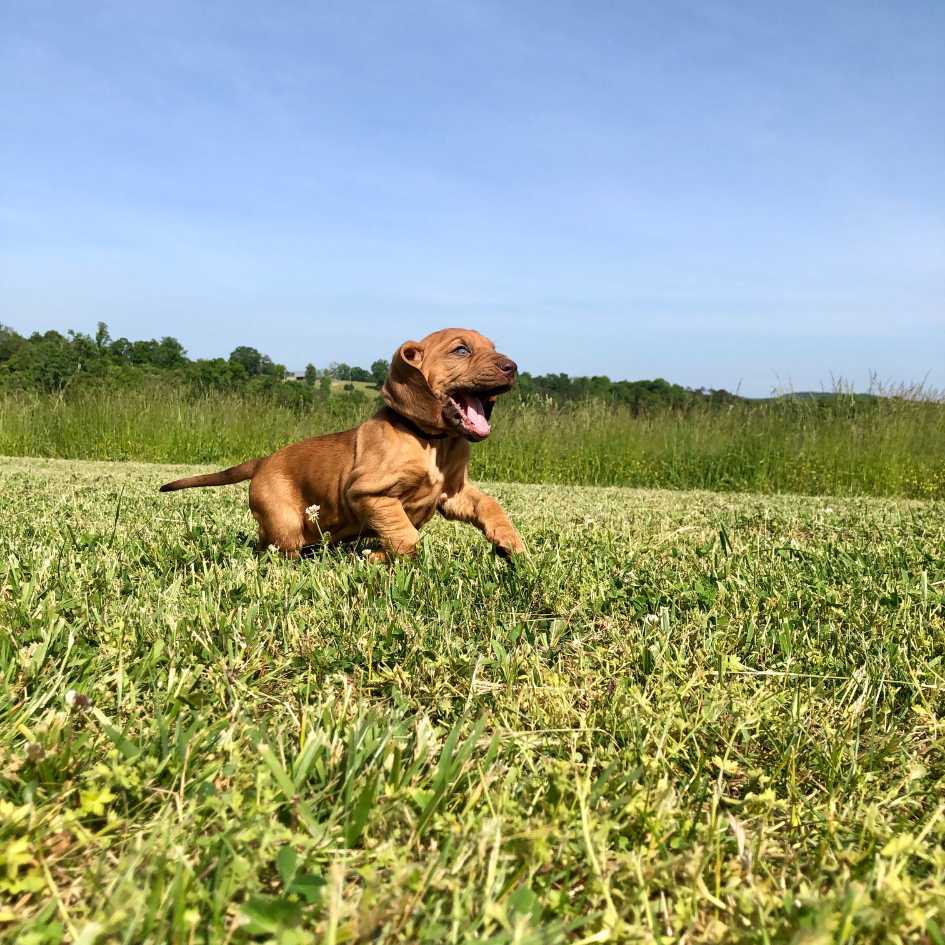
(685,716)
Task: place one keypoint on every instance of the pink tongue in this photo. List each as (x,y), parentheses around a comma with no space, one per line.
(473,414)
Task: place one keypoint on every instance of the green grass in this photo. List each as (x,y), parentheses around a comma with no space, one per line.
(684,715)
(890,446)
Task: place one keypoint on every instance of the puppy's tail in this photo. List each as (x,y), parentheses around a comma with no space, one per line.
(223,478)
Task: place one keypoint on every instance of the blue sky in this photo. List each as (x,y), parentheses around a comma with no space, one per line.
(729,194)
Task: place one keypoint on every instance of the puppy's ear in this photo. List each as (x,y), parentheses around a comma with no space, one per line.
(407,392)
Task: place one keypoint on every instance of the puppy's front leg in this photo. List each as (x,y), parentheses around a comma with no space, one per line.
(388,520)
(474,506)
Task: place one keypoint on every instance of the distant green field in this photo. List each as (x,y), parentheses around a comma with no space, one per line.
(887,446)
(368,387)
(683,717)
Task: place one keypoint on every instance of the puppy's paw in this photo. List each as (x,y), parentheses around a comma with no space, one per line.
(390,555)
(507,541)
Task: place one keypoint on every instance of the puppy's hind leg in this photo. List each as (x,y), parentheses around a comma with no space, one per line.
(282,528)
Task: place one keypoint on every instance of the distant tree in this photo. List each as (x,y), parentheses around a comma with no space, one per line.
(311,374)
(347,372)
(166,353)
(256,364)
(102,338)
(139,352)
(271,369)
(324,386)
(169,353)
(83,348)
(120,350)
(45,361)
(10,341)
(216,373)
(248,358)
(379,371)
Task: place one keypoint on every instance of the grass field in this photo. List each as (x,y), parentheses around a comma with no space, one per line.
(889,446)
(684,716)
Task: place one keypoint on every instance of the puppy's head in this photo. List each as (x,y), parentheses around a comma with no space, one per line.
(448,382)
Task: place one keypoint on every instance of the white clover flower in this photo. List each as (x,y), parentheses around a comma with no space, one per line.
(311,513)
(78,701)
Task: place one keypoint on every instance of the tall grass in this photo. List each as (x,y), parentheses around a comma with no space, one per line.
(885,446)
(162,424)
(882,447)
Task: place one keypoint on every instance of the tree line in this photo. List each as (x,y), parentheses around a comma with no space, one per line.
(51,361)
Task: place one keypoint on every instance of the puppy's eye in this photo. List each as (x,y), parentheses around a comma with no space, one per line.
(461,350)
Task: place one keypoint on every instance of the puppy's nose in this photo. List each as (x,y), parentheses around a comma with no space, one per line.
(508,367)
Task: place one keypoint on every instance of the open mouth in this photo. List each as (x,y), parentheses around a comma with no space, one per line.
(469,410)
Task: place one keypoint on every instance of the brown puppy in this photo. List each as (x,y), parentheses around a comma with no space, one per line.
(388,476)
